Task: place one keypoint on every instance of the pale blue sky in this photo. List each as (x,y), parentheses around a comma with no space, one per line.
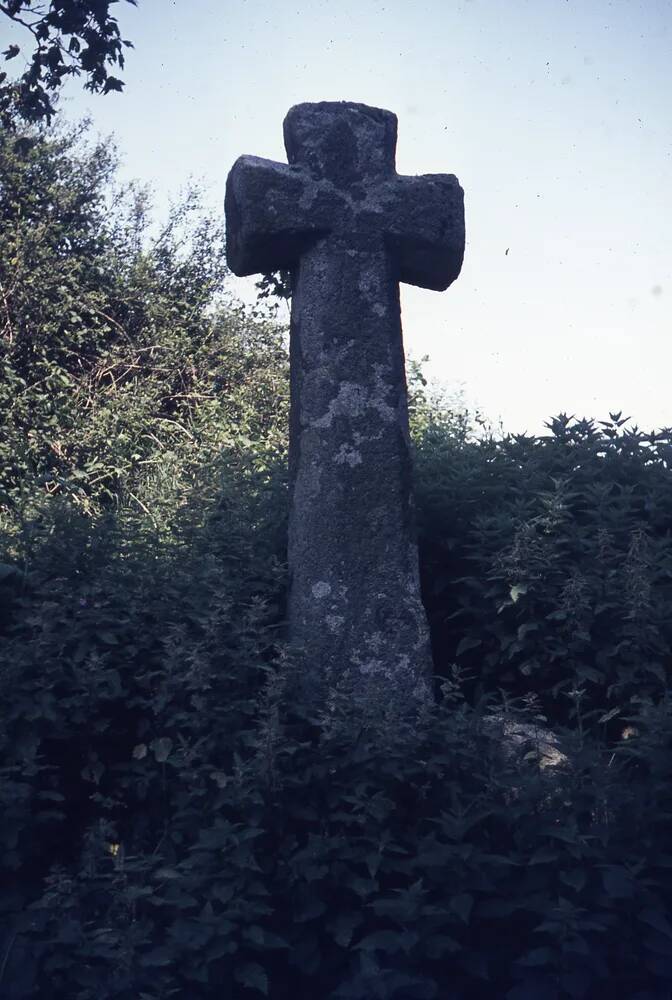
(554,114)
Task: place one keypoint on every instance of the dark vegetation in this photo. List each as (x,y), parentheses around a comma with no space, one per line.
(172,824)
(65,38)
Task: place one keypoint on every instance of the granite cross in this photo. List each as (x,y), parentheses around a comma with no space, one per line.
(350,229)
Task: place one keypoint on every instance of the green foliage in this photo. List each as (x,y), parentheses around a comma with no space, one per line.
(548,561)
(128,382)
(175,823)
(67,38)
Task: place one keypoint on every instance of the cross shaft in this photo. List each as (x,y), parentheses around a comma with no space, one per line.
(349,228)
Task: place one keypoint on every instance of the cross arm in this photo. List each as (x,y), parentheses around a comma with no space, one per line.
(270,217)
(425,231)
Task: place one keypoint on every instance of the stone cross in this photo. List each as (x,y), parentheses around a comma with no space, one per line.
(350,229)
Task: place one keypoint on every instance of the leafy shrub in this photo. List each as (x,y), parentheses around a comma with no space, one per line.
(248,848)
(547,561)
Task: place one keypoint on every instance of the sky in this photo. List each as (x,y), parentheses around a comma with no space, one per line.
(556,117)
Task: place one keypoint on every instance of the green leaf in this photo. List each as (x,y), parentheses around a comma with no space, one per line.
(617,883)
(343,926)
(438,945)
(157,957)
(218,949)
(166,874)
(7,571)
(537,957)
(161,748)
(543,856)
(659,943)
(388,941)
(567,836)
(93,771)
(109,637)
(657,920)
(476,963)
(466,644)
(361,886)
(524,630)
(533,990)
(253,976)
(496,908)
(589,673)
(576,878)
(462,904)
(657,669)
(309,908)
(262,938)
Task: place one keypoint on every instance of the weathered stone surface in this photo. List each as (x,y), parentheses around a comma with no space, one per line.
(520,737)
(350,229)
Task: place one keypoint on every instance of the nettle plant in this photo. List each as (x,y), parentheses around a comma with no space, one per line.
(223,841)
(548,561)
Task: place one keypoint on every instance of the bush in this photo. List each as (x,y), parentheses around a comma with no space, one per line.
(239,846)
(547,561)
